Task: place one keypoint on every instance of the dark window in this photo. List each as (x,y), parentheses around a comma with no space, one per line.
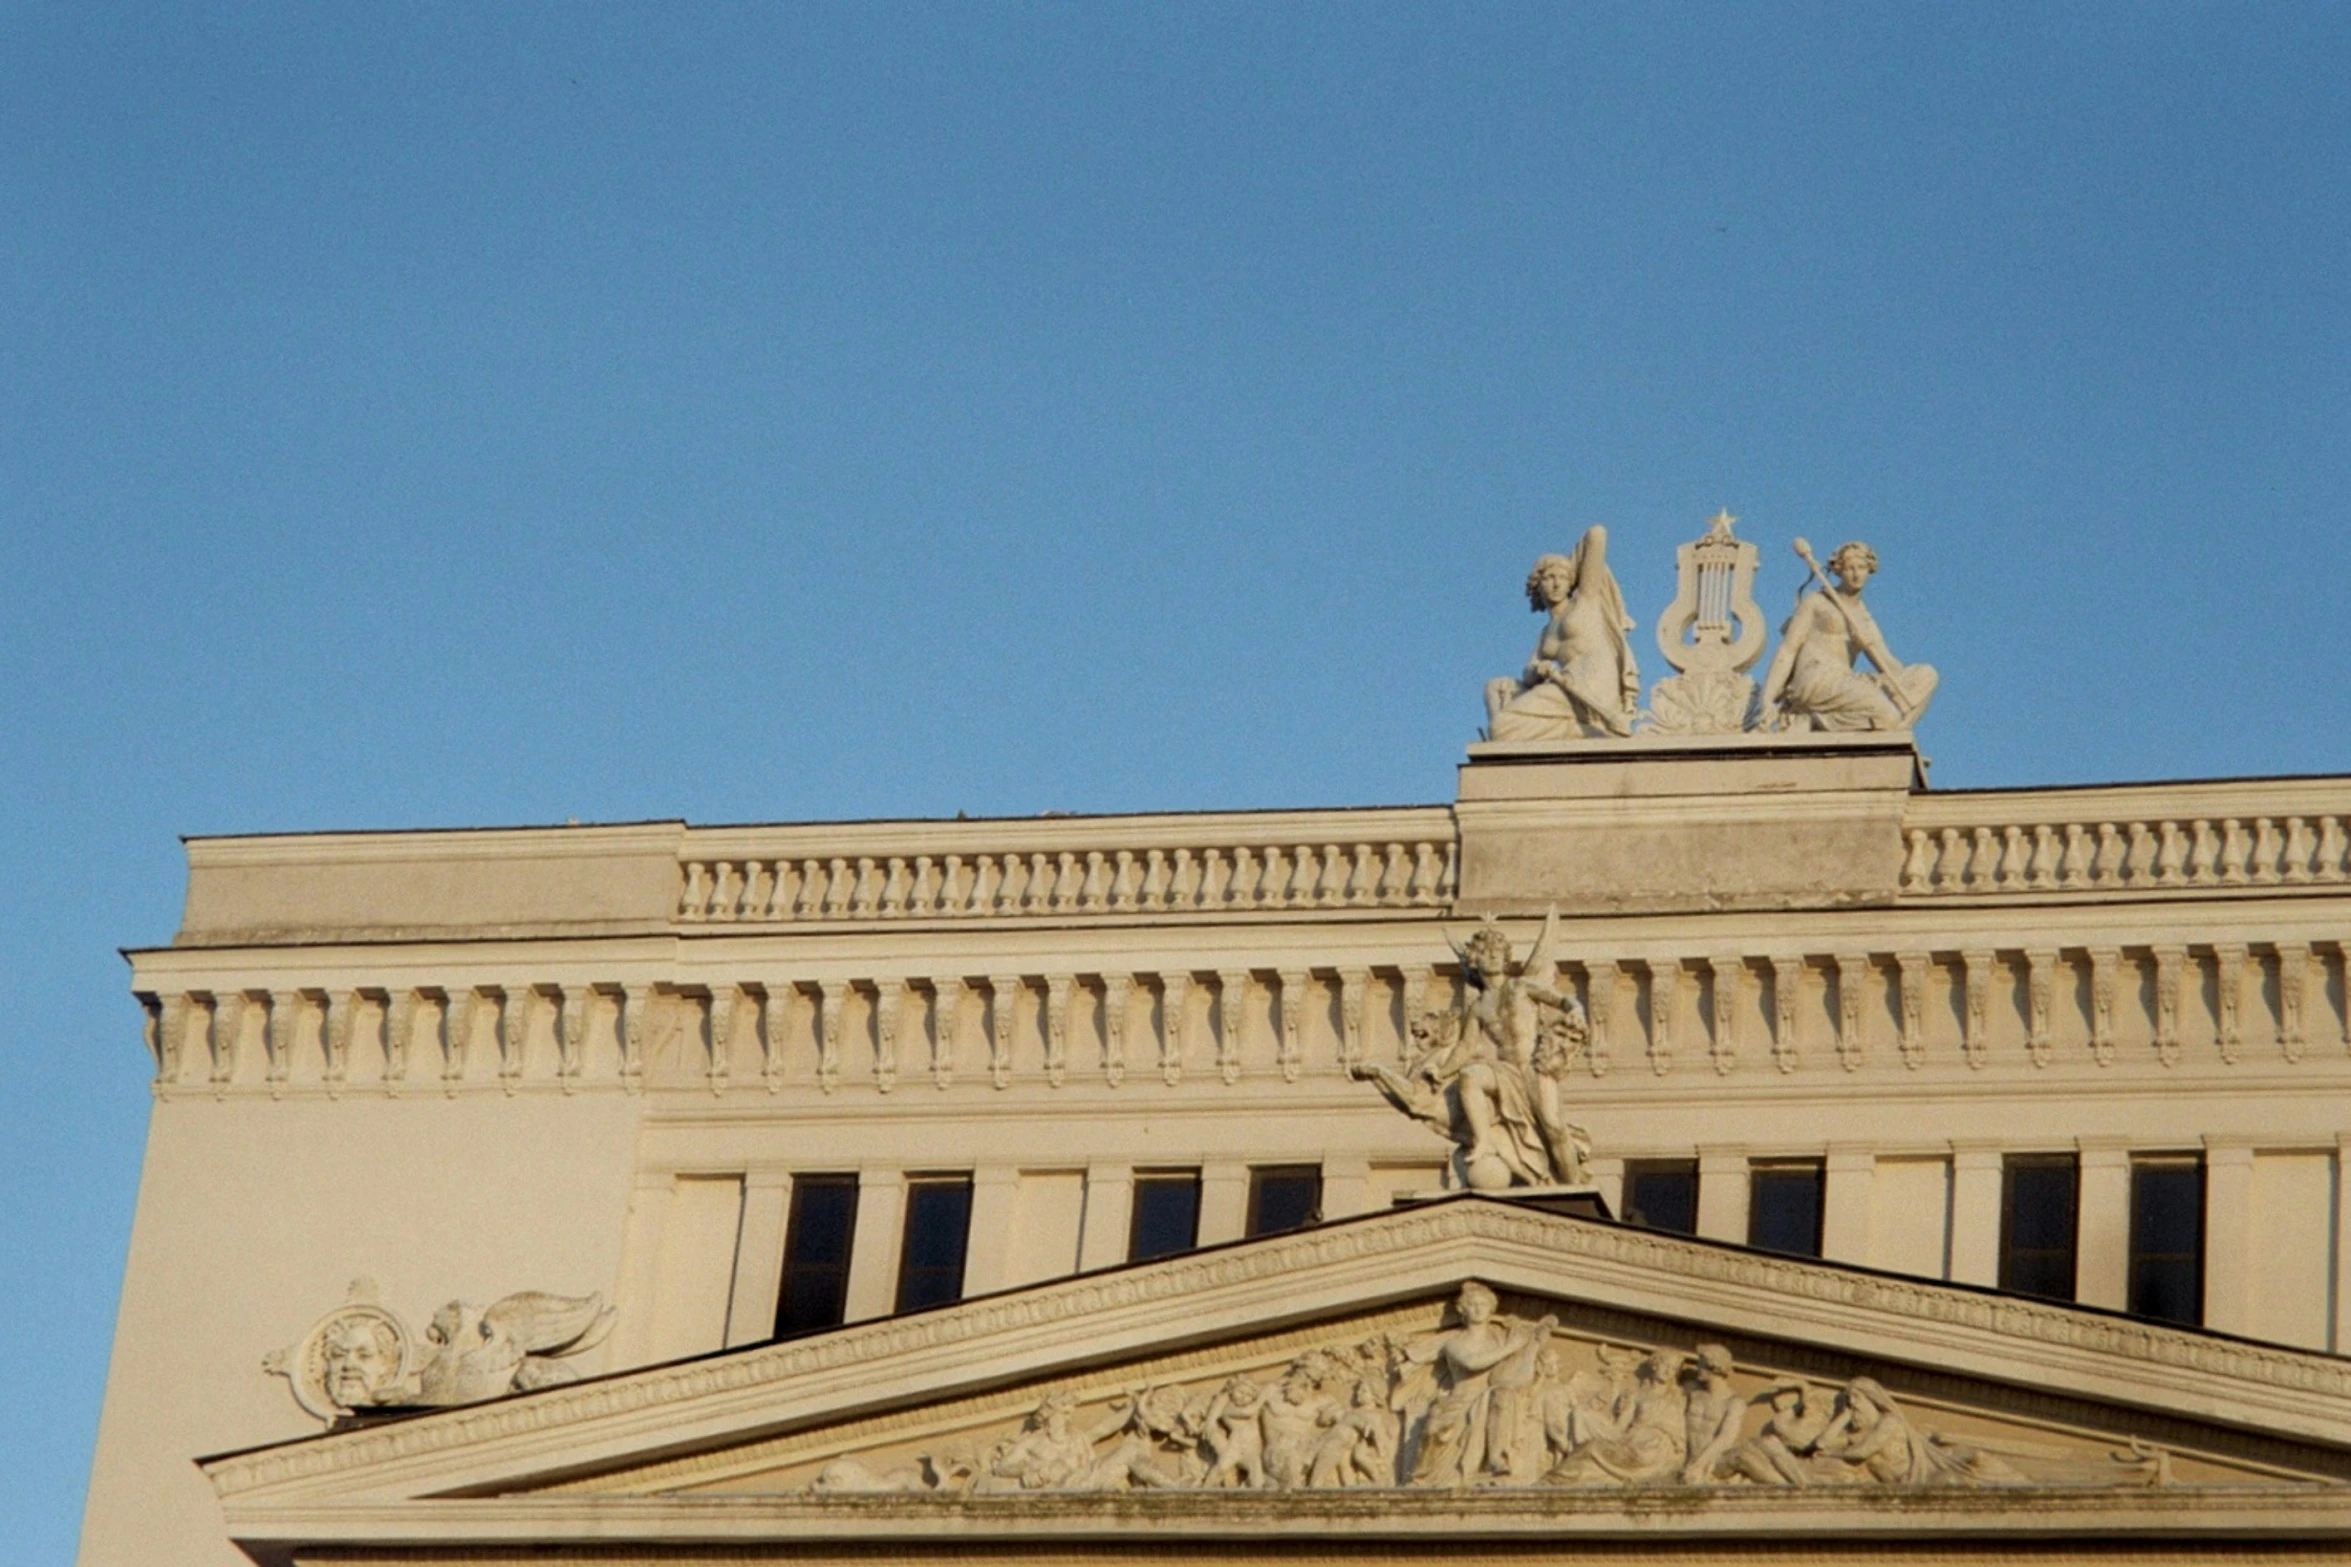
(1783,1207)
(2167,1239)
(938,1229)
(1166,1217)
(2039,1198)
(816,1253)
(1284,1197)
(1662,1194)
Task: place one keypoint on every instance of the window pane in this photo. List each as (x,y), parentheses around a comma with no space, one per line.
(1166,1217)
(1284,1197)
(1662,1194)
(1783,1212)
(938,1228)
(2167,1240)
(816,1253)
(2039,1201)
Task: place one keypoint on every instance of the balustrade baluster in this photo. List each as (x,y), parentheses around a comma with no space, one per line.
(2296,854)
(2268,847)
(1916,862)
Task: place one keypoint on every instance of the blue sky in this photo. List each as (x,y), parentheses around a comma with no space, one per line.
(455,415)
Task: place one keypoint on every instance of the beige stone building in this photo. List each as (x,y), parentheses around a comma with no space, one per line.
(1215,1185)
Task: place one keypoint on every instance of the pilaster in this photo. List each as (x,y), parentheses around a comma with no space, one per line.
(1346,1187)
(1845,1195)
(1224,1201)
(1975,1213)
(1722,1194)
(994,1189)
(1110,1208)
(873,1253)
(2102,1255)
(2228,1226)
(759,1255)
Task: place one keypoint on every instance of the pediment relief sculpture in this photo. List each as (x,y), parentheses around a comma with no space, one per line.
(1479,1397)
(1583,684)
(362,1355)
(1488,1074)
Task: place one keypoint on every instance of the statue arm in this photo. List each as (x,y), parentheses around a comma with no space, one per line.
(1873,642)
(1783,662)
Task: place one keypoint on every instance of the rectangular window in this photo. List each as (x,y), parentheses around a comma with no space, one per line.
(2167,1239)
(2040,1196)
(1284,1197)
(938,1231)
(816,1253)
(1783,1207)
(1662,1194)
(1166,1216)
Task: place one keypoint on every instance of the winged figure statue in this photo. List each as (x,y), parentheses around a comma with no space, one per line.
(1487,1073)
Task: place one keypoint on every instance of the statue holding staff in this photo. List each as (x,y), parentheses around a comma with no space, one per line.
(1813,682)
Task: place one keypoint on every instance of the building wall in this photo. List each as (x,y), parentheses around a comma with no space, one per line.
(376,1057)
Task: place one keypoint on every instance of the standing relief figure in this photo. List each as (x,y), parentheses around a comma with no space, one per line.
(1487,1075)
(1813,683)
(1582,682)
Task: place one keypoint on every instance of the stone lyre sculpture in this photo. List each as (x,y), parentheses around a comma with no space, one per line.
(1712,634)
(1813,682)
(1582,682)
(1487,1074)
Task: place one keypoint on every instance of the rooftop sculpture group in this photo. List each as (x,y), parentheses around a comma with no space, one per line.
(1583,683)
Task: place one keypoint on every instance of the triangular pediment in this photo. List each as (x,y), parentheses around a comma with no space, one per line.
(1623,1380)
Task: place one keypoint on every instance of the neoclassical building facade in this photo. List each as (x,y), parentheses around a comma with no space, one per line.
(1697,1141)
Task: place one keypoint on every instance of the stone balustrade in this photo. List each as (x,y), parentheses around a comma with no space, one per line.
(1211,876)
(2271,834)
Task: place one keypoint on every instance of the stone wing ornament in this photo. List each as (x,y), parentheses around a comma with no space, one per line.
(547,1329)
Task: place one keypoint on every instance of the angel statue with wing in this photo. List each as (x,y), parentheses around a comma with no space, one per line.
(1487,1073)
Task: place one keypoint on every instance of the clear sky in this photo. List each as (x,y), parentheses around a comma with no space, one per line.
(465,414)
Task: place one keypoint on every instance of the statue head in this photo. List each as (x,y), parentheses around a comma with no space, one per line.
(1713,1360)
(359,1359)
(1551,582)
(1476,1303)
(1865,1397)
(1854,563)
(1052,1413)
(1485,957)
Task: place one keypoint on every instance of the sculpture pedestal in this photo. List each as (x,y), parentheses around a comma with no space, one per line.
(1575,1202)
(1658,824)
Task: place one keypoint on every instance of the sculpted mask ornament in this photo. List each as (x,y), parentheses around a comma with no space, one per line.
(362,1356)
(1814,684)
(356,1356)
(1487,1075)
(1487,1399)
(1582,682)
